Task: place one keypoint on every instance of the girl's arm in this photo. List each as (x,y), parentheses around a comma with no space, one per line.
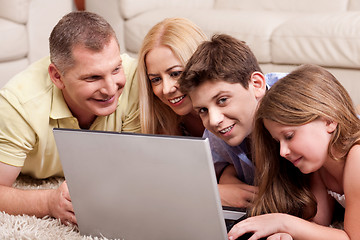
(269,224)
(352,193)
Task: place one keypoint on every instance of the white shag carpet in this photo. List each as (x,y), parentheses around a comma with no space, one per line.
(26,227)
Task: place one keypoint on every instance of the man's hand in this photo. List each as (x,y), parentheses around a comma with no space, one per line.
(60,206)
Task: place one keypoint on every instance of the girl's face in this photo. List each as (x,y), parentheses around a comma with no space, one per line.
(306,146)
(164,70)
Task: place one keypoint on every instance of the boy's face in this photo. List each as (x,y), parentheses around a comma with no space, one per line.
(227,109)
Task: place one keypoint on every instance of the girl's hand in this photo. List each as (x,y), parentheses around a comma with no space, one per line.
(271,225)
(280,236)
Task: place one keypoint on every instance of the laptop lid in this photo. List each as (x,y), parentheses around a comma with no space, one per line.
(133,186)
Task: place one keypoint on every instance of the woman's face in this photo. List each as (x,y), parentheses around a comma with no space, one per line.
(163,71)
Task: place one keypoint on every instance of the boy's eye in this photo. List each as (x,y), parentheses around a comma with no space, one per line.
(202,110)
(222,100)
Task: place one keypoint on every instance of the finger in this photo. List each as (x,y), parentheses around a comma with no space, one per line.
(249,188)
(65,191)
(68,219)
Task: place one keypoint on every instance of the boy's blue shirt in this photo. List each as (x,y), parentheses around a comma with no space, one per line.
(224,154)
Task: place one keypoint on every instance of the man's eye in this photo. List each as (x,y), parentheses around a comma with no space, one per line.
(93,78)
(116,70)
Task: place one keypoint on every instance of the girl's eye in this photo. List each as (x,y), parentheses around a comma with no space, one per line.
(176,74)
(289,136)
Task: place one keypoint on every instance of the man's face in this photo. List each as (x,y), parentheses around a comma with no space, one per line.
(94,84)
(227,109)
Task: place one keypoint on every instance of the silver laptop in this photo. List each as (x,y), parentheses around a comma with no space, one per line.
(133,186)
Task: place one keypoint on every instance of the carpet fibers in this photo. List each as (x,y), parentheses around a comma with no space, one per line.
(26,227)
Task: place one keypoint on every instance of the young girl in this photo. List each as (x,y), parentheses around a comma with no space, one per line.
(309,118)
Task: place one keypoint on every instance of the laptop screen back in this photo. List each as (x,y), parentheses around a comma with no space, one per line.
(132,186)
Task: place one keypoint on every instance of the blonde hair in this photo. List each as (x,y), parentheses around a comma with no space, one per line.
(183,37)
(304,95)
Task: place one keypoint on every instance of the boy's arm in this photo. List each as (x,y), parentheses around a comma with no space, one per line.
(39,203)
(233,192)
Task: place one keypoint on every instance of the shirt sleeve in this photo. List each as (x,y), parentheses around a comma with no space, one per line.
(130,97)
(17,138)
(220,157)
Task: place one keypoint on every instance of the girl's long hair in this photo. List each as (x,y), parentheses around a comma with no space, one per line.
(304,95)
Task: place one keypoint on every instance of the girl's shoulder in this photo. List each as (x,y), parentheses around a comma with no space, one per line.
(351,178)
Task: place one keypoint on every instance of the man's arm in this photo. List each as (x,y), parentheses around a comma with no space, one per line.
(233,192)
(39,203)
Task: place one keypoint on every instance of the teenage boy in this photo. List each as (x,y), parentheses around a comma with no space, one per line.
(225,84)
(82,85)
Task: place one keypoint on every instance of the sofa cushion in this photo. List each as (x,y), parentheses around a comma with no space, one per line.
(15,10)
(325,39)
(130,8)
(13,41)
(285,5)
(354,5)
(237,24)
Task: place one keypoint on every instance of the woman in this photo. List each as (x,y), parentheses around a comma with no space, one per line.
(163,55)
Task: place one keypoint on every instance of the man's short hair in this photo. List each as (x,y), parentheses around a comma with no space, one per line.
(78,28)
(222,58)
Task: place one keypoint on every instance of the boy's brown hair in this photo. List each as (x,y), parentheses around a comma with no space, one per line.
(222,58)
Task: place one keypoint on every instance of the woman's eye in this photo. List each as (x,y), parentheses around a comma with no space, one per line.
(155,80)
(176,74)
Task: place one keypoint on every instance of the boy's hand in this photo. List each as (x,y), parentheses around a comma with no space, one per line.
(238,195)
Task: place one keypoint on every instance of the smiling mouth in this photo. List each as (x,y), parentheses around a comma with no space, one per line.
(296,161)
(176,100)
(226,130)
(106,100)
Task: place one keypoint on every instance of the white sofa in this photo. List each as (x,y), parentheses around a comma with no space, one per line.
(282,33)
(25,26)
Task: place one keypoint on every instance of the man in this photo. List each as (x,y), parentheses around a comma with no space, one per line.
(81,86)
